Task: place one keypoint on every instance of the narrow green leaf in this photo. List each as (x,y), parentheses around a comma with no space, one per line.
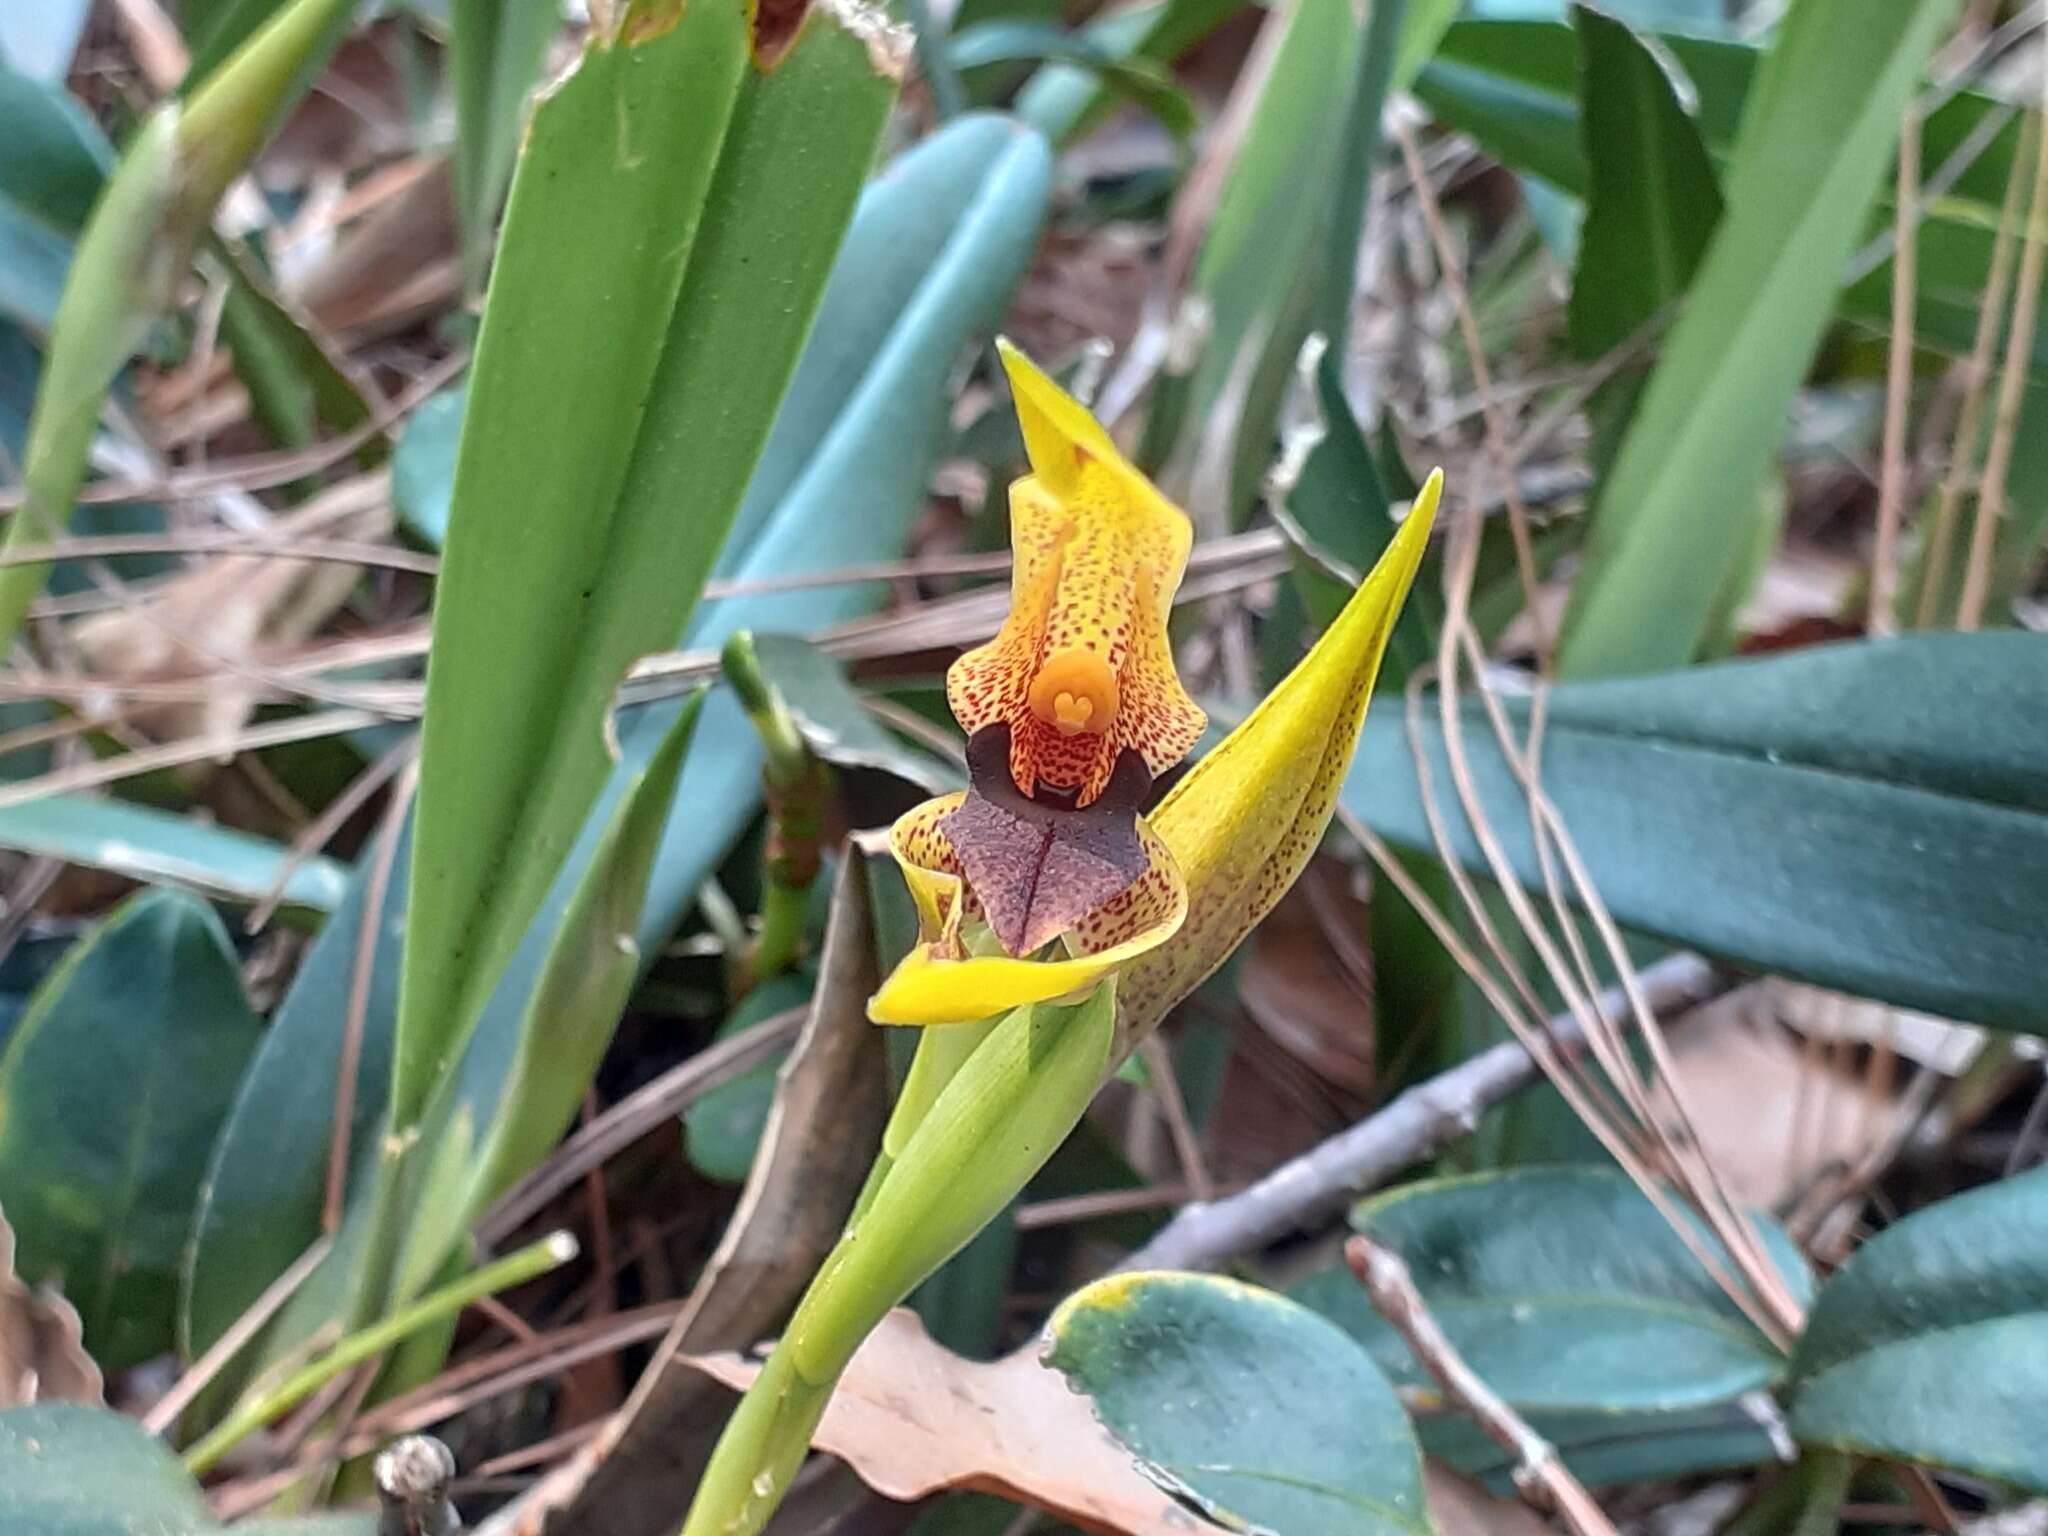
(1931,1343)
(1064,100)
(1652,202)
(142,843)
(112,1089)
(938,244)
(134,249)
(1036,42)
(617,377)
(298,386)
(1869,816)
(495,50)
(259,1204)
(1260,1413)
(1668,527)
(835,725)
(484,1143)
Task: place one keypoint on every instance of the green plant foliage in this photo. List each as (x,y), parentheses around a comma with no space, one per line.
(1064,100)
(70,1470)
(132,252)
(1931,1343)
(1125,73)
(53,159)
(836,725)
(1869,816)
(1604,1449)
(297,385)
(495,49)
(485,1134)
(1262,1414)
(423,466)
(259,1204)
(1669,527)
(142,843)
(616,379)
(112,1089)
(1568,1291)
(1652,200)
(935,248)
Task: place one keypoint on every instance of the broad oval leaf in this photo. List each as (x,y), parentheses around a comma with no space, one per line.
(1567,1290)
(112,1090)
(1931,1343)
(1260,1413)
(1871,816)
(69,1470)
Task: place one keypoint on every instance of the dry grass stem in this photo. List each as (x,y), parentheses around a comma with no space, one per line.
(1893,488)
(1540,1475)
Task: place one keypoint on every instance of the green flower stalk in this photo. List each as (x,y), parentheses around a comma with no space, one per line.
(1057,924)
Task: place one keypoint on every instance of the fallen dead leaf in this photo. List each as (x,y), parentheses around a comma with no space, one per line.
(1460,1507)
(914,1419)
(42,1353)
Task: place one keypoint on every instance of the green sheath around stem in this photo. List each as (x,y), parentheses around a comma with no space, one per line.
(1002,1114)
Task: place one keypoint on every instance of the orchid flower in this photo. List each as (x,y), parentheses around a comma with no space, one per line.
(1057,924)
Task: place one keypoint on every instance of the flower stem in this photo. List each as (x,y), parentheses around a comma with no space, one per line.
(993,1125)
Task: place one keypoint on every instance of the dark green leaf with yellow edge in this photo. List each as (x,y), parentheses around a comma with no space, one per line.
(1870,816)
(1261,1414)
(1653,200)
(619,375)
(1931,1343)
(112,1089)
(70,1470)
(1566,1289)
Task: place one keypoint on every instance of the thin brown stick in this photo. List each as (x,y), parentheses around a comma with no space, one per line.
(360,974)
(1180,1125)
(1891,494)
(1419,1122)
(318,832)
(225,542)
(262,471)
(163,1413)
(1540,1475)
(2012,382)
(634,1116)
(1502,452)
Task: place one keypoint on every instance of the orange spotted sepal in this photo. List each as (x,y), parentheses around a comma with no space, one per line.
(945,980)
(1080,673)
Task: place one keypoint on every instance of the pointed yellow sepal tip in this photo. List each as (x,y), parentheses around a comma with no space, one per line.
(1059,433)
(1245,819)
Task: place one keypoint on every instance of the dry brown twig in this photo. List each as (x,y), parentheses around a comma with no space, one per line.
(1425,1119)
(1540,1475)
(1892,489)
